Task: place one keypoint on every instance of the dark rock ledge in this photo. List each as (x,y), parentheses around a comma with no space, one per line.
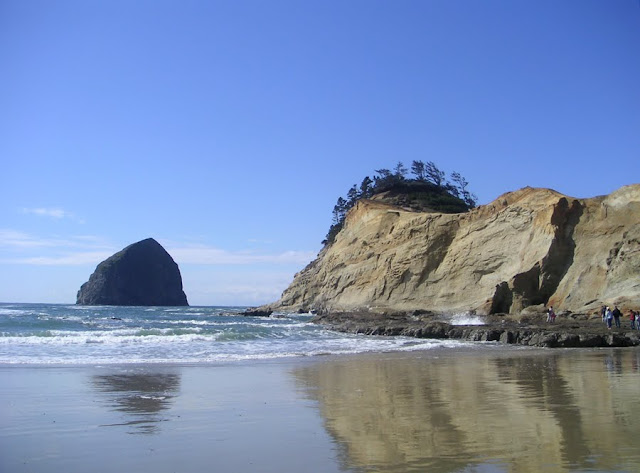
(575,332)
(256,312)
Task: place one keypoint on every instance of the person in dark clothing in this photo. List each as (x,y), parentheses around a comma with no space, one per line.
(616,316)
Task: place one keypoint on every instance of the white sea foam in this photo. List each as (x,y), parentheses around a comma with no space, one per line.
(12,312)
(116,335)
(466,319)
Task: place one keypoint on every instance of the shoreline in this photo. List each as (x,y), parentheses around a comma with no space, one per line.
(575,331)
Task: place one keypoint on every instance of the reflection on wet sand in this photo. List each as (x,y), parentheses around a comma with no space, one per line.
(140,396)
(519,411)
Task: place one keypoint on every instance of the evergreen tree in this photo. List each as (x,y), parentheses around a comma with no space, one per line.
(352,196)
(366,190)
(449,197)
(400,171)
(382,173)
(433,174)
(461,184)
(417,168)
(339,210)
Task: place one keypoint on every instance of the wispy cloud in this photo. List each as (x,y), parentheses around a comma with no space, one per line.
(16,239)
(235,288)
(18,247)
(70,259)
(54,212)
(215,256)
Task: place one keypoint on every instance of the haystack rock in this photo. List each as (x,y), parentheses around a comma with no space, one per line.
(529,247)
(142,274)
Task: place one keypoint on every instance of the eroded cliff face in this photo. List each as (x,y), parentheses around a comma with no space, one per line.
(529,247)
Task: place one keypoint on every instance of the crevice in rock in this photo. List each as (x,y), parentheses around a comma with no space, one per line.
(538,284)
(526,289)
(561,252)
(502,299)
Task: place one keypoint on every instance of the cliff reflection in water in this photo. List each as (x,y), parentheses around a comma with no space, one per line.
(141,397)
(509,411)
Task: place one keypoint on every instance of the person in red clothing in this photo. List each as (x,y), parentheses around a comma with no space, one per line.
(551,315)
(633,317)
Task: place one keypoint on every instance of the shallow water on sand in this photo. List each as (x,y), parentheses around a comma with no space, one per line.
(447,410)
(511,411)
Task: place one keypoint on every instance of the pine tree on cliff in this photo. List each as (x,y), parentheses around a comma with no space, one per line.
(429,190)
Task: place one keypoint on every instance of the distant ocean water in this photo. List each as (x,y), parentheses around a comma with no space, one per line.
(70,334)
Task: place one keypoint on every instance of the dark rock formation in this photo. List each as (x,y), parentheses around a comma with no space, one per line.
(254,312)
(569,332)
(142,274)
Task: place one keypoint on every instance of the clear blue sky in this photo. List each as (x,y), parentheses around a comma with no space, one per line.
(226,130)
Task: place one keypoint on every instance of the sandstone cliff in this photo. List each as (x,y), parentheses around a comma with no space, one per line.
(529,247)
(142,274)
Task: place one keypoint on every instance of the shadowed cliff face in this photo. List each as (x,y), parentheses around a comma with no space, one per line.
(529,247)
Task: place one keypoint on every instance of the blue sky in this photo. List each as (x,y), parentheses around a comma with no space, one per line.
(226,130)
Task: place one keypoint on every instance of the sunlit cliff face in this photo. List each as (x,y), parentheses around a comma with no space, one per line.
(529,247)
(443,413)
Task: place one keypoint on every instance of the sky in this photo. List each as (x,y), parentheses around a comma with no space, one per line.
(227,130)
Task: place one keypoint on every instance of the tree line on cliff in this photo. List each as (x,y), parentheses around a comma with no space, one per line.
(429,188)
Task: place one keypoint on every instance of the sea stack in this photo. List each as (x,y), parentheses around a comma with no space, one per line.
(142,274)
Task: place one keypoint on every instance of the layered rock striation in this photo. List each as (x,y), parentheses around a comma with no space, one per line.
(142,274)
(529,247)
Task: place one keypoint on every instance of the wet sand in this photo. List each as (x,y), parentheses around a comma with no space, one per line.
(485,409)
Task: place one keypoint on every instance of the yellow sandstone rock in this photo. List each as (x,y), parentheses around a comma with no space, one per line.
(529,247)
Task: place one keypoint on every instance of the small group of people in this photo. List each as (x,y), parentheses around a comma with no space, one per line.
(551,315)
(613,316)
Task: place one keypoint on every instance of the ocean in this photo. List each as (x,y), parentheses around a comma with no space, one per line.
(71,334)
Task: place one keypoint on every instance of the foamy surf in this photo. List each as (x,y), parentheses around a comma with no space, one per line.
(57,334)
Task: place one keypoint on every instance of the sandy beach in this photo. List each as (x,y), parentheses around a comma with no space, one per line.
(160,418)
(487,409)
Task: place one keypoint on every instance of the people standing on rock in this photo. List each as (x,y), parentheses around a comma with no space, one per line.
(603,313)
(616,316)
(633,318)
(608,316)
(551,315)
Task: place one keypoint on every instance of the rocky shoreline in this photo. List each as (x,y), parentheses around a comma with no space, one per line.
(573,331)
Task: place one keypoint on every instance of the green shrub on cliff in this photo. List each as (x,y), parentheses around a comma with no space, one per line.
(428,190)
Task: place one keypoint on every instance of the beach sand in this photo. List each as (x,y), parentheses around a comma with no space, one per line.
(471,410)
(159,418)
